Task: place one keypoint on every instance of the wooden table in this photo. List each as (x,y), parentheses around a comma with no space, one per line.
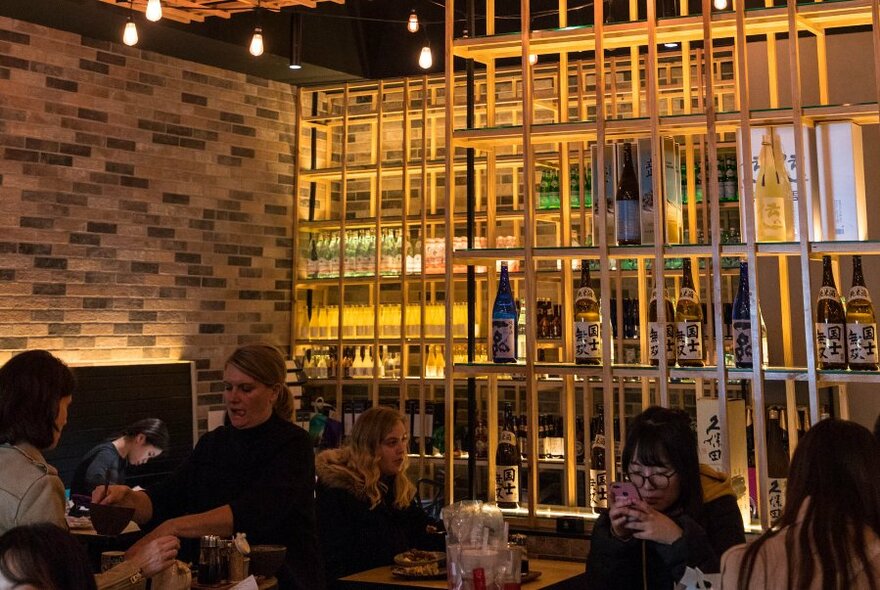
(555,575)
(96,544)
(262,584)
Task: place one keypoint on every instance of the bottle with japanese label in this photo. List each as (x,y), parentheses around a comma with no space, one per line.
(689,348)
(542,437)
(521,332)
(522,436)
(504,321)
(598,474)
(507,462)
(742,324)
(557,442)
(579,440)
(830,322)
(481,438)
(861,327)
(544,190)
(587,326)
(729,185)
(777,461)
(656,329)
(627,202)
(774,201)
(312,265)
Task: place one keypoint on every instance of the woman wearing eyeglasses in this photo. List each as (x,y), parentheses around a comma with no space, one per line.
(686,514)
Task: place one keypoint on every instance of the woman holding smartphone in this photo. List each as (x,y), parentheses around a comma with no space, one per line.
(682,514)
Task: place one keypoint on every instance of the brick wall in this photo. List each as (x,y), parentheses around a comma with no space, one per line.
(145,204)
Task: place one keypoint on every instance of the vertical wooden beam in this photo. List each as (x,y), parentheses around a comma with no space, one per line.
(748,209)
(530,279)
(803,211)
(604,272)
(449,194)
(711,188)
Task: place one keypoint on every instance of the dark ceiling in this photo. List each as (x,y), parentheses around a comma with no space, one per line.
(358,39)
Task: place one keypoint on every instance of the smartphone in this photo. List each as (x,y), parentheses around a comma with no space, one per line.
(623,489)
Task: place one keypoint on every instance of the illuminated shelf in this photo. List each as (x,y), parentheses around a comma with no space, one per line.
(817,250)
(493,137)
(760,21)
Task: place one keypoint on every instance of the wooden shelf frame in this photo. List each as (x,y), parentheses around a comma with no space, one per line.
(559,122)
(701,131)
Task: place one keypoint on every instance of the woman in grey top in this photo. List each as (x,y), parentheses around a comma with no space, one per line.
(36,390)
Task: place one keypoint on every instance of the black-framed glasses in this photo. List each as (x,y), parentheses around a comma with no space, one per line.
(659,481)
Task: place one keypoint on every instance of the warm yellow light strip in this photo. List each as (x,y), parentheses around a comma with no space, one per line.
(186,11)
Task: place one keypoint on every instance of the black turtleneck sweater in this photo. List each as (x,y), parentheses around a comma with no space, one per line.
(266,474)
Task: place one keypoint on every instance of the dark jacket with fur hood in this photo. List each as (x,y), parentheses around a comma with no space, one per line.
(355,537)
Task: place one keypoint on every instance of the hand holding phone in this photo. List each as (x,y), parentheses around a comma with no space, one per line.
(623,489)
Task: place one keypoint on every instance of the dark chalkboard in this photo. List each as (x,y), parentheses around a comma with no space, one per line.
(107,398)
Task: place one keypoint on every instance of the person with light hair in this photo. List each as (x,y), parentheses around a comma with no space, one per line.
(367,512)
(255,475)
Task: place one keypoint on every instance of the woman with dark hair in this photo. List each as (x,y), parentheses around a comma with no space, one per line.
(107,462)
(828,536)
(45,557)
(367,510)
(686,514)
(36,390)
(255,474)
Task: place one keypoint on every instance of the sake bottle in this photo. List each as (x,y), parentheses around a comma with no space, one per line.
(627,202)
(521,332)
(504,321)
(598,472)
(655,329)
(861,327)
(774,202)
(777,462)
(690,350)
(587,326)
(742,323)
(507,463)
(440,361)
(830,322)
(730,179)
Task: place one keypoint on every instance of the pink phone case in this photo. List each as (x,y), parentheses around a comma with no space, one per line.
(624,489)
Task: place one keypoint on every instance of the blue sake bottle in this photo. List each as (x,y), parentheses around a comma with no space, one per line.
(504,321)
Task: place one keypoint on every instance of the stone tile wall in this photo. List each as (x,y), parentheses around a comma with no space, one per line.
(145,204)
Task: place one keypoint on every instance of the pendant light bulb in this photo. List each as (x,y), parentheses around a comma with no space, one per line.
(426,60)
(412,25)
(256,47)
(533,59)
(720,4)
(671,45)
(154,10)
(130,34)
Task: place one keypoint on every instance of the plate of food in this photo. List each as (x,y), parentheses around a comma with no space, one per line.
(418,557)
(428,571)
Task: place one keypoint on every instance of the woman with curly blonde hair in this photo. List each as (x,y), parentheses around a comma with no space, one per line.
(366,505)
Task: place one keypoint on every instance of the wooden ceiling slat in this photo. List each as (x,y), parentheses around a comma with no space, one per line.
(197,10)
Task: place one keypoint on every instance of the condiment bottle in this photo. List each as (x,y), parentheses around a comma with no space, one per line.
(209,560)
